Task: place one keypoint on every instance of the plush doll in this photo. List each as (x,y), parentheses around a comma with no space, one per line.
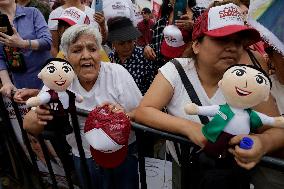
(243,87)
(57,75)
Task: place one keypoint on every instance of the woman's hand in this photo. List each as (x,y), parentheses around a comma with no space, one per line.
(247,158)
(35,120)
(100,18)
(149,53)
(13,41)
(115,108)
(8,89)
(43,115)
(22,95)
(194,133)
(185,22)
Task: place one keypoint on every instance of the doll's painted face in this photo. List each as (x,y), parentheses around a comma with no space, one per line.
(244,87)
(57,75)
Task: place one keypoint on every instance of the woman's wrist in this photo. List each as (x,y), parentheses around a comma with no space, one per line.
(26,44)
(264,138)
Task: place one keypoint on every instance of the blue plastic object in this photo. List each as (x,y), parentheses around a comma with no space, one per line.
(246,143)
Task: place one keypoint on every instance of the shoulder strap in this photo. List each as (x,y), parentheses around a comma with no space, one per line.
(189,88)
(253,58)
(186,153)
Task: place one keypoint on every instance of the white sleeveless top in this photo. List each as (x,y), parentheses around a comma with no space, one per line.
(180,96)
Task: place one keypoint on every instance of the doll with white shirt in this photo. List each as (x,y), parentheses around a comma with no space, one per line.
(57,75)
(243,87)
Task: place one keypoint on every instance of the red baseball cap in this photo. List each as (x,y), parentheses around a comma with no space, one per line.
(107,133)
(73,15)
(174,41)
(221,21)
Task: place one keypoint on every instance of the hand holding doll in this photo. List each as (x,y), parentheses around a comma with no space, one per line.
(243,87)
(57,75)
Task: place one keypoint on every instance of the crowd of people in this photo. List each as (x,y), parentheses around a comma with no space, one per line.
(127,65)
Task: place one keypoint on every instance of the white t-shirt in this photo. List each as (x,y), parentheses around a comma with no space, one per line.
(277,92)
(180,96)
(113,8)
(115,85)
(52,24)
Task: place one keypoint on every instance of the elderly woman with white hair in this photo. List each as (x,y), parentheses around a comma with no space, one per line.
(97,83)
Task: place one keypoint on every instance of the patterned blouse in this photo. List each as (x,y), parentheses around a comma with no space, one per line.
(141,69)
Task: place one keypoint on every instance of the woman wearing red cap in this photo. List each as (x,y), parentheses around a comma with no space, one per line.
(219,36)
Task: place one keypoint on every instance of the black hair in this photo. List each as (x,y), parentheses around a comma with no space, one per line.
(253,67)
(269,50)
(166,8)
(146,10)
(62,23)
(56,59)
(191,3)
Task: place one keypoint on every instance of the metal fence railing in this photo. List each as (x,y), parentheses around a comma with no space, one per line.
(140,130)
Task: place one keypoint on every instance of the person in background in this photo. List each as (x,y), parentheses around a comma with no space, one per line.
(53,24)
(122,34)
(29,45)
(114,8)
(145,27)
(175,42)
(69,17)
(98,83)
(215,48)
(277,64)
(265,177)
(153,50)
(42,6)
(42,165)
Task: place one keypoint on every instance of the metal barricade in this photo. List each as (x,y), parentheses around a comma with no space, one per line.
(140,130)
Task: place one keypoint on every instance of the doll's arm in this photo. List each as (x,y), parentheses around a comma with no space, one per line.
(40,99)
(193,109)
(79,98)
(272,121)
